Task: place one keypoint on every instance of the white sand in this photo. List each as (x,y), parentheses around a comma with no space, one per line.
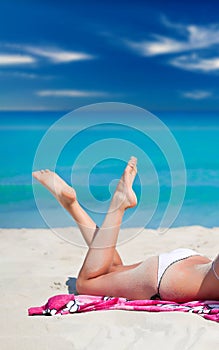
(36,264)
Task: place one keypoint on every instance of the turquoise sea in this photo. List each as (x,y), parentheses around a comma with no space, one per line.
(197,134)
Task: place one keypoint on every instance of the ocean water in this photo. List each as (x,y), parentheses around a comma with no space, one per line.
(94,159)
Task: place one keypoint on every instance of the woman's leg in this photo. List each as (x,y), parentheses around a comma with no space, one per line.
(99,259)
(99,275)
(66,196)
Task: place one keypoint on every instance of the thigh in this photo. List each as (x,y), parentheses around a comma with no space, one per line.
(136,282)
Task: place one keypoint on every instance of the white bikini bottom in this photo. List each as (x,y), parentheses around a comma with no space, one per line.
(166,260)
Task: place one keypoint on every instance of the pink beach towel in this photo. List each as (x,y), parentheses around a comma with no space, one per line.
(69,303)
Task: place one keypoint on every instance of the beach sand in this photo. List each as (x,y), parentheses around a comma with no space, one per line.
(36,264)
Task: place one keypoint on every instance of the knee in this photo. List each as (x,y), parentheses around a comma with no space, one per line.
(81,286)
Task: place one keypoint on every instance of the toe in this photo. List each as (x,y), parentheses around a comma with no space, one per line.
(132,162)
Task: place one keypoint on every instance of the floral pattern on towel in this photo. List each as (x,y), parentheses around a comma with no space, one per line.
(69,303)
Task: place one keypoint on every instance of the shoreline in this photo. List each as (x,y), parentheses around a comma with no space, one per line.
(195,236)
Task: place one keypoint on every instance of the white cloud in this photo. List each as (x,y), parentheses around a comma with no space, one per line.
(19,75)
(14,60)
(196,63)
(197,94)
(194,38)
(54,55)
(70,93)
(161,45)
(197,45)
(26,107)
(58,55)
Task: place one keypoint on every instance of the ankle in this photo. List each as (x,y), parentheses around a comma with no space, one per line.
(118,201)
(70,204)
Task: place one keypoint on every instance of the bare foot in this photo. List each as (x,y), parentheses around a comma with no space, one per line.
(124,191)
(65,194)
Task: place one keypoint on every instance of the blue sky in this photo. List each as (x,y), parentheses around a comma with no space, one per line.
(60,55)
